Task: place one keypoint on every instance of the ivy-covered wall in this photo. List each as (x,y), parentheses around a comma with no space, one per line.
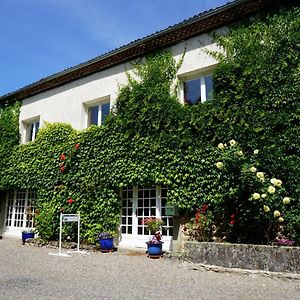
(150,138)
(9,131)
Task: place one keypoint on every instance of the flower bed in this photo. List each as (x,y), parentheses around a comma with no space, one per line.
(244,256)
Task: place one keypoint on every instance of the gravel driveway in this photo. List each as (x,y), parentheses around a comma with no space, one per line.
(28,272)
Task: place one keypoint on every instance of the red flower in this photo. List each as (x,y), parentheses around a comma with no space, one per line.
(204,208)
(62,157)
(62,168)
(76,146)
(232,216)
(198,217)
(70,201)
(232,222)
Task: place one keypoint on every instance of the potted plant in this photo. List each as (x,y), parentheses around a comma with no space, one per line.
(154,245)
(29,232)
(106,241)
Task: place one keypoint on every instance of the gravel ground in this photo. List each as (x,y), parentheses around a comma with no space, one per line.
(28,272)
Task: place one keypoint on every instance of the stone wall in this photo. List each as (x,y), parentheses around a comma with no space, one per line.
(253,257)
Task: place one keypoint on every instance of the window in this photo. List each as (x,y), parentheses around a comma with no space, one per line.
(98,113)
(198,89)
(31,130)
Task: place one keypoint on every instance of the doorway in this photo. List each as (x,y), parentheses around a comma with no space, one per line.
(139,203)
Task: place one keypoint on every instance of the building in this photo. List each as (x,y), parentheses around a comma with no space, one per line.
(84,94)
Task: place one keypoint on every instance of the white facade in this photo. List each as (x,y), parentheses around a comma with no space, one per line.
(69,103)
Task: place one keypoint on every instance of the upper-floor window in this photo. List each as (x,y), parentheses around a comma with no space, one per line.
(198,90)
(98,113)
(31,130)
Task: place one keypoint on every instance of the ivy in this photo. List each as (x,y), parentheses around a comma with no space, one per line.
(152,139)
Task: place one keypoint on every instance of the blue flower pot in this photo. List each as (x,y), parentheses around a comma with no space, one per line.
(106,245)
(27,235)
(154,249)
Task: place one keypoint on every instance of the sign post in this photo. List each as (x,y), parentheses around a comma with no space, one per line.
(65,218)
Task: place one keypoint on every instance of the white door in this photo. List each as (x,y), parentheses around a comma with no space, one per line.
(139,203)
(19,212)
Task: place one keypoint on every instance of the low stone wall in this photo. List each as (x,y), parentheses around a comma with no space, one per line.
(253,257)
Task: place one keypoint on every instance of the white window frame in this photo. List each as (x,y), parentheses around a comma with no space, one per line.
(95,103)
(29,136)
(138,240)
(16,215)
(198,74)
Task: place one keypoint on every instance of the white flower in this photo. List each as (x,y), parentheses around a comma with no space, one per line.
(260,175)
(221,146)
(280,219)
(271,189)
(232,142)
(286,200)
(253,169)
(266,208)
(276,214)
(240,153)
(278,183)
(255,151)
(263,195)
(273,181)
(219,165)
(256,196)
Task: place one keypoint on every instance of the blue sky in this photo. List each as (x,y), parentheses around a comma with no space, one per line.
(43,37)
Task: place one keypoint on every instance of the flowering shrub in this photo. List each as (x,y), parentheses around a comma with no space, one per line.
(249,207)
(256,206)
(199,227)
(153,224)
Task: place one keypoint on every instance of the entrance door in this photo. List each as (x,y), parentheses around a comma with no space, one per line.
(19,212)
(139,203)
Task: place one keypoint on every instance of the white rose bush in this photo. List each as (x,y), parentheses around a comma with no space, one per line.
(257,208)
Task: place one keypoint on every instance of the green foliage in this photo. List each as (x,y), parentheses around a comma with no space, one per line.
(247,208)
(151,139)
(257,87)
(9,131)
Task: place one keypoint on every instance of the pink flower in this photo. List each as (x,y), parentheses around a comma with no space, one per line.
(77,146)
(62,168)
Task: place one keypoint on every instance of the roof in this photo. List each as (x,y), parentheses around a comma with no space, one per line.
(203,22)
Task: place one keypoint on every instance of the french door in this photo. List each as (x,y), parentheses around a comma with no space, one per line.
(19,212)
(139,203)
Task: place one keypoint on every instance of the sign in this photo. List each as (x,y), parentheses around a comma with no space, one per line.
(172,210)
(63,219)
(70,218)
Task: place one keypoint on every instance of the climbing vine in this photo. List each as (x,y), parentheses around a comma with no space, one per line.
(152,139)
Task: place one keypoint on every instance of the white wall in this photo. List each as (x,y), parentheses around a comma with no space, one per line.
(65,103)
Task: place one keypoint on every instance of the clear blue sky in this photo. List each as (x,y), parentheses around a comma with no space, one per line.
(43,37)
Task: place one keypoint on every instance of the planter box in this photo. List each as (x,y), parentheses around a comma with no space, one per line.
(253,257)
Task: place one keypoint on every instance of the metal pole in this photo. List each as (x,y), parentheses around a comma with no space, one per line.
(78,233)
(60,232)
